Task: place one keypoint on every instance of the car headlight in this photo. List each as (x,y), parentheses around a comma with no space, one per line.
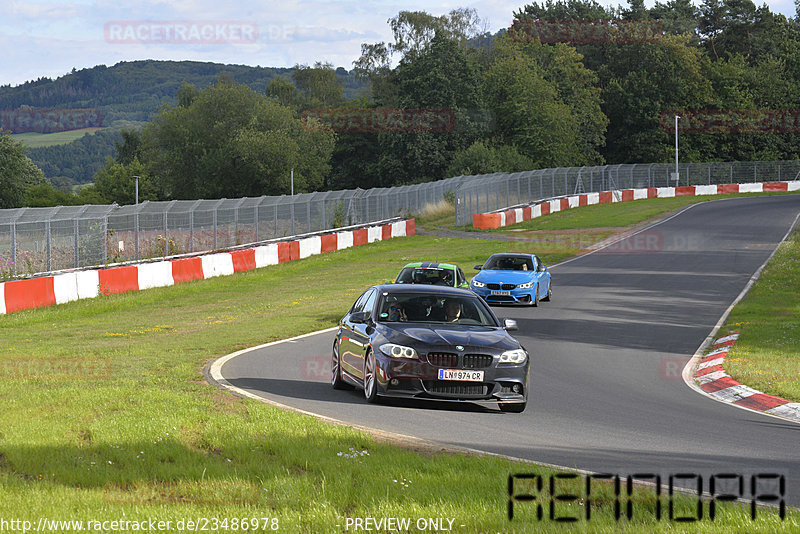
(478,284)
(526,285)
(398,351)
(514,356)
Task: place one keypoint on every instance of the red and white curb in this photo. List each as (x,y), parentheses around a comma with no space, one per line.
(501,218)
(715,382)
(74,285)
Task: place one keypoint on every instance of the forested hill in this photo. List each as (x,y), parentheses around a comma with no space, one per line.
(135,90)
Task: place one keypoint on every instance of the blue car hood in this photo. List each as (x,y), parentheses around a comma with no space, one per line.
(506,277)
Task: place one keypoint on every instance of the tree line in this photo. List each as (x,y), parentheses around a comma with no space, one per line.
(518,102)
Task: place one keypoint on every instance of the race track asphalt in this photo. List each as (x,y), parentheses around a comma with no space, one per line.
(606,391)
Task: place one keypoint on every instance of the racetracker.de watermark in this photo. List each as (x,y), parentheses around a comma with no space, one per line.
(180,32)
(732,121)
(49,120)
(77,368)
(374,120)
(586,31)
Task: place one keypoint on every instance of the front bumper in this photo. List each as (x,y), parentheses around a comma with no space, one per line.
(515,296)
(419,379)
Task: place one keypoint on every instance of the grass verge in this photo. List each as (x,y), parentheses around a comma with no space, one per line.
(136,433)
(766,356)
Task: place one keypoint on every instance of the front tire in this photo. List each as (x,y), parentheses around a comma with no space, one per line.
(370,381)
(535,301)
(337,382)
(549,291)
(512,407)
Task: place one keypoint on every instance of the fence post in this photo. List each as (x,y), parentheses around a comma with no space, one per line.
(166,235)
(215,227)
(755,172)
(291,213)
(14,247)
(191,230)
(47,245)
(255,219)
(308,217)
(105,240)
(731,169)
(324,218)
(76,242)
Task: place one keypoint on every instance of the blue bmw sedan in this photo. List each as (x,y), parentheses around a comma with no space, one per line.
(512,278)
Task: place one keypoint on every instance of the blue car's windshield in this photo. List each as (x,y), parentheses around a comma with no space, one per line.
(426,308)
(509,263)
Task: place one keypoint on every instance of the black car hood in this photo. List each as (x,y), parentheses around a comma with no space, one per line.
(448,335)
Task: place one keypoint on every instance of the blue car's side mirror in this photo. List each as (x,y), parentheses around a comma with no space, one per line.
(478,267)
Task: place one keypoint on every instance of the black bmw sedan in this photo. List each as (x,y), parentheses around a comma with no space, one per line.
(430,342)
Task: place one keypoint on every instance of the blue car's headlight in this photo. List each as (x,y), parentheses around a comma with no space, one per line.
(526,285)
(514,356)
(478,284)
(398,351)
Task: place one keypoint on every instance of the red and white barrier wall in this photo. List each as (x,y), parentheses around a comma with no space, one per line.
(508,217)
(60,288)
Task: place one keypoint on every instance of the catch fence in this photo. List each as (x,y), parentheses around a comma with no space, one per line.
(490,192)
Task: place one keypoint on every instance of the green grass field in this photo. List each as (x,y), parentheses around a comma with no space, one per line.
(35,140)
(766,356)
(106,416)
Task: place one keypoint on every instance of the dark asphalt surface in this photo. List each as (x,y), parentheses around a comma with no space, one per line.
(606,391)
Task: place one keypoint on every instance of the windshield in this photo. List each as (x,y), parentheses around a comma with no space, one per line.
(509,263)
(422,308)
(427,275)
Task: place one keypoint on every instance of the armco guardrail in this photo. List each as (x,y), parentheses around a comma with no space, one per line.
(498,219)
(491,192)
(73,285)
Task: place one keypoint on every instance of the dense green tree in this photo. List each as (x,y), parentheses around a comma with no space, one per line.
(233,142)
(116,182)
(482,158)
(45,195)
(17,172)
(441,77)
(318,85)
(531,108)
(283,90)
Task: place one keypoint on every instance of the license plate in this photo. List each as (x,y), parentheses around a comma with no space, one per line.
(498,292)
(461,374)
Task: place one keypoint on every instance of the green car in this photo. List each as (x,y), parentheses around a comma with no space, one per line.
(438,274)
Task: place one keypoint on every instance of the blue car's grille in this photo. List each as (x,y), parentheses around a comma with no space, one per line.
(504,286)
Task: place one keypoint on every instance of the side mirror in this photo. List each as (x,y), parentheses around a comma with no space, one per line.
(541,268)
(478,267)
(359,317)
(510,325)
(465,285)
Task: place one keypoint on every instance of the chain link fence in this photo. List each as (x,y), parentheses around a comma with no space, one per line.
(37,240)
(490,192)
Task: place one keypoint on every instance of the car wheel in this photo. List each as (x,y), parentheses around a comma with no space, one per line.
(370,384)
(549,291)
(535,301)
(512,407)
(336,369)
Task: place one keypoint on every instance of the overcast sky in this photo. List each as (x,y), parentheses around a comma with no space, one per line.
(50,37)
